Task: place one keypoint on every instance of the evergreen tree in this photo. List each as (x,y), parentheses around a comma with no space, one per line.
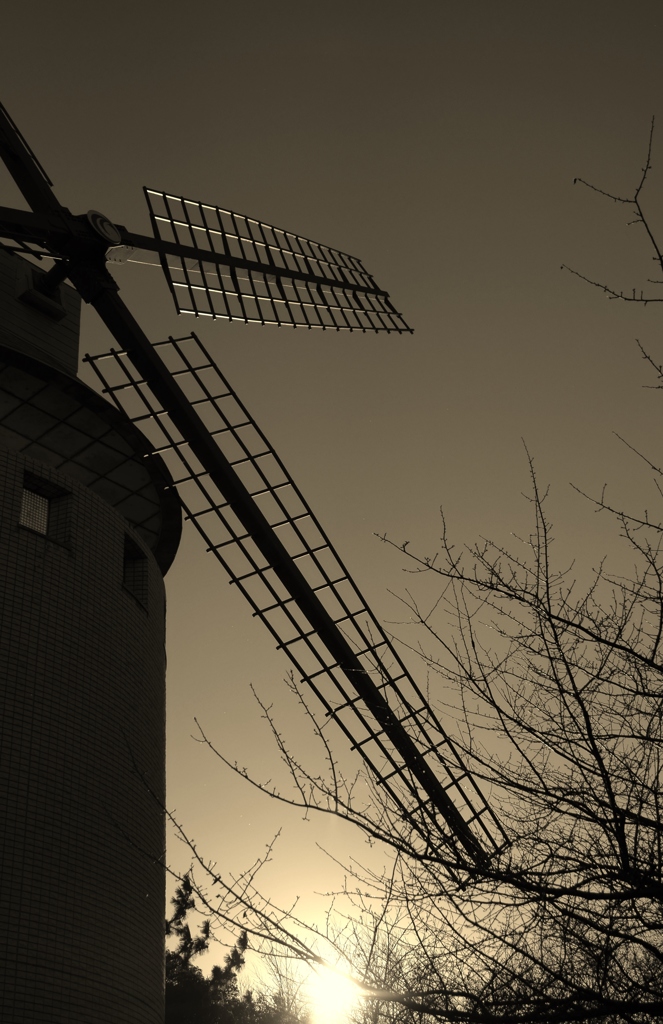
(191,998)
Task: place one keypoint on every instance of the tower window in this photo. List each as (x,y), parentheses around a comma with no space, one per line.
(135,571)
(34,511)
(45,508)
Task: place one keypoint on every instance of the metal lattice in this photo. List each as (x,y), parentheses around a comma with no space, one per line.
(233,486)
(23,248)
(249,271)
(281,502)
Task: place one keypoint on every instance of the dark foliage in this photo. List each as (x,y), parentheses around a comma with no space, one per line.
(192,998)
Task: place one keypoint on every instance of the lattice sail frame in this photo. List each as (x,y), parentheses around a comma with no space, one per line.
(281,501)
(10,244)
(272,276)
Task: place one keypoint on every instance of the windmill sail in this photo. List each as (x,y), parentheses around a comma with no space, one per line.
(233,486)
(384,714)
(239,268)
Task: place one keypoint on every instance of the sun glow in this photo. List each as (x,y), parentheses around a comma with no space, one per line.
(332,996)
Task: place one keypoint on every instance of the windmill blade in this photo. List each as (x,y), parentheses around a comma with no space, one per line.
(25,169)
(223,264)
(368,692)
(25,232)
(270,542)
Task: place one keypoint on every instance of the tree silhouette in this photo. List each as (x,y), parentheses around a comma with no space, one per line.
(193,998)
(553,693)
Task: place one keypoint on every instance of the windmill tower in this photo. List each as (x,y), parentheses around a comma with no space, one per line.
(185,429)
(89,527)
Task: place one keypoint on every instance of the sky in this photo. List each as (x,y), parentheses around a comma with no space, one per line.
(439,142)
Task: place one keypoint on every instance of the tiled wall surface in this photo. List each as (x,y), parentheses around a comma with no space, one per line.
(82,725)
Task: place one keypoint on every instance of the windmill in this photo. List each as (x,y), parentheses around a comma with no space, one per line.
(176,411)
(231,483)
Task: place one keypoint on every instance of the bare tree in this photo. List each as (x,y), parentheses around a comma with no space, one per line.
(555,693)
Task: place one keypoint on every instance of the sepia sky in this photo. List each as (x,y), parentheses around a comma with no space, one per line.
(438,141)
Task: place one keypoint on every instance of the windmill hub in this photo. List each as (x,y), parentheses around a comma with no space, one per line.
(104,227)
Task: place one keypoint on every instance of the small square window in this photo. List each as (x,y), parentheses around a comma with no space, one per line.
(34,511)
(45,508)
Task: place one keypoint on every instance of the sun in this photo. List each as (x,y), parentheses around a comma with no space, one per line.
(331,995)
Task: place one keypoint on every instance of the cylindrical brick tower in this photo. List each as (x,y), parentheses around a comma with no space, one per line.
(88,527)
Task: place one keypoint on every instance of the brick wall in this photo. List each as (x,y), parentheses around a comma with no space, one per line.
(82,722)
